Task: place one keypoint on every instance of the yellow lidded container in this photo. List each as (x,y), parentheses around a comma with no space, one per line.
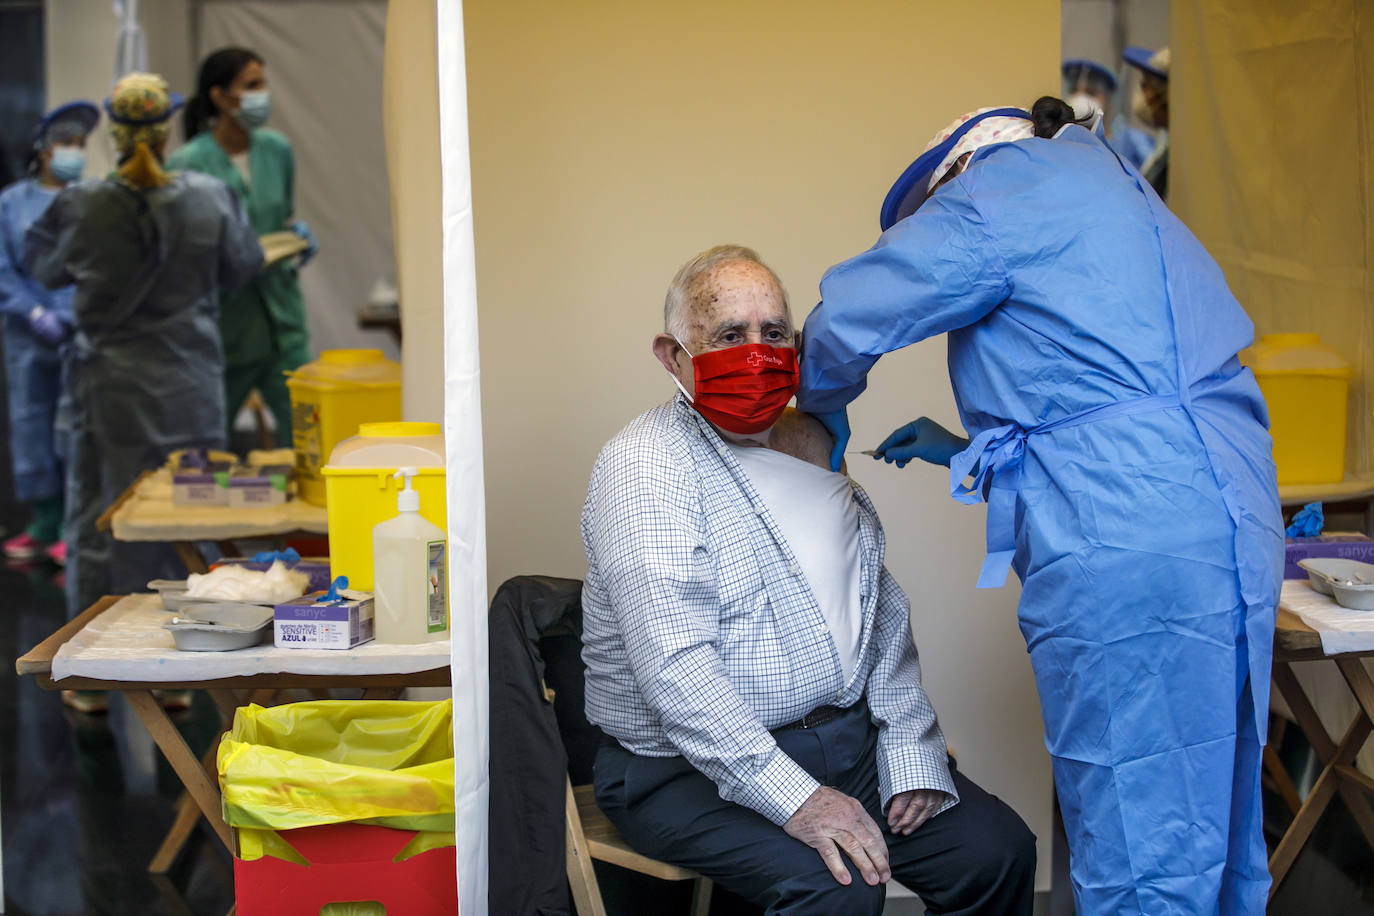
(362,489)
(1306,385)
(330,399)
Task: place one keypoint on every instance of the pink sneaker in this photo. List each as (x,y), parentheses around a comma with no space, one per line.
(23,547)
(57,553)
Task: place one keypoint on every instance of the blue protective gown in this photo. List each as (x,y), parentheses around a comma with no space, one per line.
(33,370)
(146,367)
(1125,454)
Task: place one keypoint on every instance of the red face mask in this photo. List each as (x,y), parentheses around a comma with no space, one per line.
(743,389)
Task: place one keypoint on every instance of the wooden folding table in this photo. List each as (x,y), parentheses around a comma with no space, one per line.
(1295,641)
(145,513)
(198,776)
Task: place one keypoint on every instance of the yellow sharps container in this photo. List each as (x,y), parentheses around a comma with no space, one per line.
(330,399)
(362,489)
(1306,385)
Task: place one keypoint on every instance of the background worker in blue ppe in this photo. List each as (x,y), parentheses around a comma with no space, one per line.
(263,324)
(1124,454)
(1089,85)
(38,323)
(1150,103)
(148,251)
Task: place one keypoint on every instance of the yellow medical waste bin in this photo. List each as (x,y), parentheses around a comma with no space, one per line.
(362,489)
(1306,385)
(330,399)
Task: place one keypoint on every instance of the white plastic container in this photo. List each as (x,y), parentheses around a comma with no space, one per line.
(410,573)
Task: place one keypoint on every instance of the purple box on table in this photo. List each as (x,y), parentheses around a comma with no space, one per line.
(1351,546)
(313,623)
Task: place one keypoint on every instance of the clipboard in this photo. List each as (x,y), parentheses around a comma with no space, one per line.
(278,246)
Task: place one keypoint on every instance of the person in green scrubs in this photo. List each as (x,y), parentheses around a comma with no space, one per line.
(263,325)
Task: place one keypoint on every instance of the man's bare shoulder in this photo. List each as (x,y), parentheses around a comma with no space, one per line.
(802,436)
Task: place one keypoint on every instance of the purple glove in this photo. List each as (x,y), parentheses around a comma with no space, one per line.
(49,327)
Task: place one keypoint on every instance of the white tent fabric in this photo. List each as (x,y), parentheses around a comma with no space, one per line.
(466,495)
(324,67)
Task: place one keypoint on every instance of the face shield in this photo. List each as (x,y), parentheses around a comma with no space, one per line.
(914,186)
(72,121)
(1088,85)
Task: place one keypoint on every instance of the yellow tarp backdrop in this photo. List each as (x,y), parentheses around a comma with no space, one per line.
(1273,168)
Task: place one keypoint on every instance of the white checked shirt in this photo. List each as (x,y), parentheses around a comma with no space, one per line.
(700,632)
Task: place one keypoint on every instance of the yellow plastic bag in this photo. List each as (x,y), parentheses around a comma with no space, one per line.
(384,762)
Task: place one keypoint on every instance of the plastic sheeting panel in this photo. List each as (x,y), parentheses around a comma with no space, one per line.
(1272,126)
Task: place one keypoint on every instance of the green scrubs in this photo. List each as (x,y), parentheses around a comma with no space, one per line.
(263,324)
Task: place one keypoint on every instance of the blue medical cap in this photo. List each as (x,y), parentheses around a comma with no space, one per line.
(1139,58)
(1076,67)
(74,119)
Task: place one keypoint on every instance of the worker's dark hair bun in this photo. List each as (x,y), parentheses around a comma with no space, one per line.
(1050,114)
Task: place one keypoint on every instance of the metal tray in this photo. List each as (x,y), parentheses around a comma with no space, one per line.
(220,627)
(175,597)
(1324,572)
(1354,597)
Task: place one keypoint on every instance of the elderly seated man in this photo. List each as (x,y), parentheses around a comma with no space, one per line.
(748,655)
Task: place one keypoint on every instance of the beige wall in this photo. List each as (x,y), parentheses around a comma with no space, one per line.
(611,141)
(410,113)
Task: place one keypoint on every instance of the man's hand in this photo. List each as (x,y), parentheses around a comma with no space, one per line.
(909,810)
(829,821)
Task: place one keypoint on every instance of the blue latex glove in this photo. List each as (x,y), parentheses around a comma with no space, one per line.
(289,555)
(333,596)
(1307,522)
(837,422)
(924,439)
(49,327)
(300,228)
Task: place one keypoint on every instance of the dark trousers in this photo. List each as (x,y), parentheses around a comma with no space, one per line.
(976,858)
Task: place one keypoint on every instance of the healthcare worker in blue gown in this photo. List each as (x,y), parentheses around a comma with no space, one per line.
(38,324)
(148,251)
(1124,454)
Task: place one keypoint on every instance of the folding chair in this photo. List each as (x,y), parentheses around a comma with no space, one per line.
(591,836)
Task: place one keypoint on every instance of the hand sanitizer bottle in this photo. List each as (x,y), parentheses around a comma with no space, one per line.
(410,573)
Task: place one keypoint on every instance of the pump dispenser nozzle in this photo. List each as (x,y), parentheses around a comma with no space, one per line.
(407,500)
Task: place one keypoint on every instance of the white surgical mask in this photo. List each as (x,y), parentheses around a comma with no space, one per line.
(68,162)
(254,109)
(1084,105)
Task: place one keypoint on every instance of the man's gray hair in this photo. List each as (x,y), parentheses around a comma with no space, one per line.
(675,303)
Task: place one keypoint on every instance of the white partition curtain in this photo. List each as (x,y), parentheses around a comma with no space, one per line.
(466,501)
